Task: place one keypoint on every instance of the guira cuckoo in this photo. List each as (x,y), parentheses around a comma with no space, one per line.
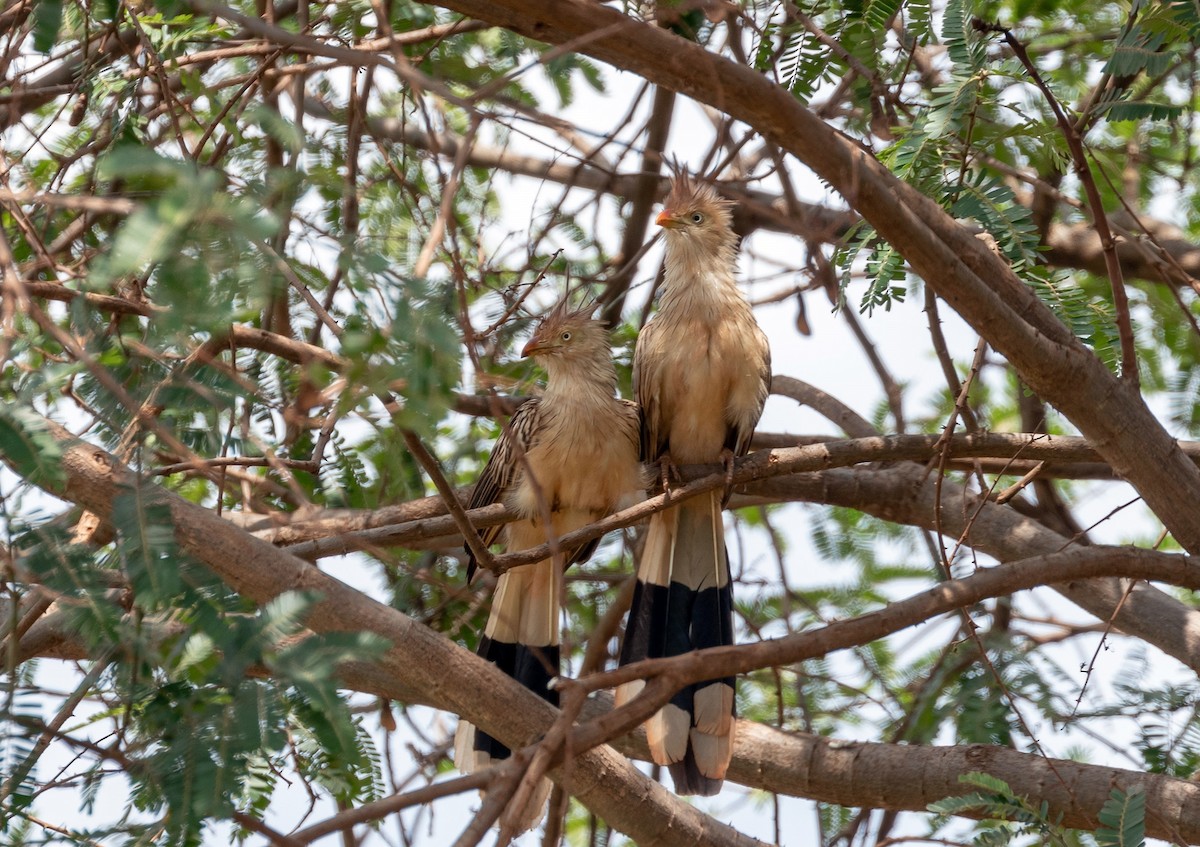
(570,454)
(701,371)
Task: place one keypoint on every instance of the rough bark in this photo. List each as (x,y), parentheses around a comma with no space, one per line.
(895,776)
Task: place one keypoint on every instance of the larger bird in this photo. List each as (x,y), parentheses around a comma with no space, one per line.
(702,371)
(571,454)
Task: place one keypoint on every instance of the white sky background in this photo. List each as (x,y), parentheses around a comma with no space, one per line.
(830,358)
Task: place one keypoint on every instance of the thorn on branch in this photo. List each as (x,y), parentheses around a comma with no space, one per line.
(980,25)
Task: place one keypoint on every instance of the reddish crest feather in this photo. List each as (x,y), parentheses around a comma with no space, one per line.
(563,315)
(687,195)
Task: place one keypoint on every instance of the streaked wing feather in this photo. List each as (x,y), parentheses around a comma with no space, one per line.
(502,466)
(645,389)
(500,472)
(742,435)
(631,425)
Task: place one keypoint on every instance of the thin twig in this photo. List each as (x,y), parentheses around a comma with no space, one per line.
(478,549)
(379,809)
(273,836)
(943,356)
(1016,488)
(22,769)
(1112,263)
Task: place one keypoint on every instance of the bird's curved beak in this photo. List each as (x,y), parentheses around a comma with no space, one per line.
(666,218)
(532,346)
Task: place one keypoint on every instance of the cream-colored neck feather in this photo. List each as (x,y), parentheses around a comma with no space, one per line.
(698,277)
(583,374)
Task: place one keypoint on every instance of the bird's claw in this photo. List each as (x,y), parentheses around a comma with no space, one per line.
(727,458)
(668,471)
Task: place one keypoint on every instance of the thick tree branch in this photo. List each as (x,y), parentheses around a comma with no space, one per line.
(424,519)
(903,494)
(906,776)
(751,471)
(419,666)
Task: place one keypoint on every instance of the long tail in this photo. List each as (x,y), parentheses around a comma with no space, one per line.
(521,638)
(684,601)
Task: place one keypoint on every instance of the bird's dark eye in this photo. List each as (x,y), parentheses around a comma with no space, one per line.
(566,336)
(697,218)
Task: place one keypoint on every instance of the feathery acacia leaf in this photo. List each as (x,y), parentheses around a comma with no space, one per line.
(1124,819)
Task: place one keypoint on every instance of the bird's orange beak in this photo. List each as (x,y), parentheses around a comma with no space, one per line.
(666,218)
(531,346)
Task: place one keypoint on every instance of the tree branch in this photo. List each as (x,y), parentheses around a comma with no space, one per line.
(419,666)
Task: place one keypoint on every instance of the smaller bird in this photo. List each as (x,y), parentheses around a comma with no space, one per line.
(571,453)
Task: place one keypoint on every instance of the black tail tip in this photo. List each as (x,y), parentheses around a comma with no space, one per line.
(690,781)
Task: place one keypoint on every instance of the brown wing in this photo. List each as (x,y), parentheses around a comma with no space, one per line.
(742,429)
(503,468)
(646,387)
(631,420)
